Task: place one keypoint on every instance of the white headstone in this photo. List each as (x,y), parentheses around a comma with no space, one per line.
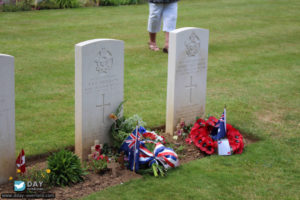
(187,68)
(7,118)
(99,88)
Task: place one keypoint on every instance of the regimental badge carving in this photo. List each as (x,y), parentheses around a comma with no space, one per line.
(104,61)
(192,45)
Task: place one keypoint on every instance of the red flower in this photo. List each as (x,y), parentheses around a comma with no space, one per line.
(98,148)
(201,122)
(199,140)
(164,139)
(106,158)
(206,145)
(211,121)
(149,135)
(212,118)
(100,157)
(188,140)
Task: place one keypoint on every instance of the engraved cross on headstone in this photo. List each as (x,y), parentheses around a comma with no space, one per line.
(103,106)
(190,87)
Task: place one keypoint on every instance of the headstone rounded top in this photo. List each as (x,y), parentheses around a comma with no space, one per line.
(82,44)
(5,55)
(187,28)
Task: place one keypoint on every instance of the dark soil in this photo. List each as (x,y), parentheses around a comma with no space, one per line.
(95,182)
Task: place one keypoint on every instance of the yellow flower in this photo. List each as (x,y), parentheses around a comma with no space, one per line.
(10,178)
(18,171)
(113,116)
(48,171)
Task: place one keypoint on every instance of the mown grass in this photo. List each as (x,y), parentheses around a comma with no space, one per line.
(253,68)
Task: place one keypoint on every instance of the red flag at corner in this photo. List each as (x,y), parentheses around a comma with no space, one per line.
(21,162)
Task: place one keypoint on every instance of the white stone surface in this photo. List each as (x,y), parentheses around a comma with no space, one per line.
(7,118)
(99,88)
(187,69)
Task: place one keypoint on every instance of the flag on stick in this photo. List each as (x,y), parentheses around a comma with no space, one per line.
(21,162)
(221,127)
(131,147)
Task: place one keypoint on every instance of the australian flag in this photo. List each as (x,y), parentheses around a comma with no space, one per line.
(131,147)
(221,127)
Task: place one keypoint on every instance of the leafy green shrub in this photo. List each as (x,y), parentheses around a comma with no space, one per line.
(119,2)
(122,127)
(65,168)
(24,5)
(47,4)
(67,3)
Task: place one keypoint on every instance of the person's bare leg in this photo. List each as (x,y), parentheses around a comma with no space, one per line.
(166,47)
(152,37)
(166,40)
(152,42)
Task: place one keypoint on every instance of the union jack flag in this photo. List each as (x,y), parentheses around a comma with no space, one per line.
(131,148)
(131,140)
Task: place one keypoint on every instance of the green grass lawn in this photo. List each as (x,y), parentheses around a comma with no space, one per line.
(253,68)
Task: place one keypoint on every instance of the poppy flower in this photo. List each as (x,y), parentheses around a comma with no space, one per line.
(200,122)
(198,141)
(188,140)
(98,148)
(206,145)
(149,136)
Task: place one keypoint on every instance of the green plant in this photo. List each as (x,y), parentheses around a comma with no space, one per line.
(122,127)
(108,150)
(24,5)
(65,168)
(35,174)
(67,3)
(180,149)
(47,4)
(119,2)
(186,130)
(98,166)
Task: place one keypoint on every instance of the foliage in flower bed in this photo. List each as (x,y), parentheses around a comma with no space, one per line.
(35,174)
(47,4)
(98,166)
(27,5)
(122,127)
(119,2)
(65,168)
(67,3)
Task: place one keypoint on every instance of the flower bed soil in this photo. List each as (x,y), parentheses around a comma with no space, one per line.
(95,182)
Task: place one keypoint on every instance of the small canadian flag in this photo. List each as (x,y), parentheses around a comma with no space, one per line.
(21,162)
